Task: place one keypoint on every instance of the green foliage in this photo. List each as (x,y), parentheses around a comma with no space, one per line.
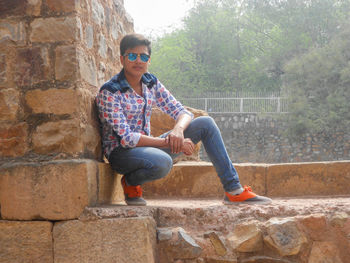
(319,87)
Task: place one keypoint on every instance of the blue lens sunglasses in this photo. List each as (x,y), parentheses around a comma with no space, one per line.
(133,56)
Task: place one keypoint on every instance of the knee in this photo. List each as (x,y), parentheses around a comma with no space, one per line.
(205,121)
(163,166)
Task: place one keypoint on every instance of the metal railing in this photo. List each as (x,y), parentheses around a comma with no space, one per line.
(238,105)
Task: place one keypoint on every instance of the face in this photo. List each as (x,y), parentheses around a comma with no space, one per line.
(137,68)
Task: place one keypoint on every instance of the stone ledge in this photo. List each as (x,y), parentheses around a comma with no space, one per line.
(199,180)
(56,190)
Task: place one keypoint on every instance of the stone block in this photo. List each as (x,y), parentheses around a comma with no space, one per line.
(13,30)
(87,68)
(13,139)
(32,65)
(110,188)
(66,63)
(199,179)
(56,190)
(301,179)
(9,104)
(26,242)
(59,136)
(53,101)
(121,240)
(61,6)
(284,236)
(3,68)
(20,7)
(324,252)
(54,29)
(247,237)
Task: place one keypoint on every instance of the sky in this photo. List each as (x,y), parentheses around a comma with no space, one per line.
(156,17)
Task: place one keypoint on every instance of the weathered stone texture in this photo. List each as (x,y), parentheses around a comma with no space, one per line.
(121,240)
(13,139)
(284,236)
(247,237)
(308,179)
(66,63)
(55,190)
(62,6)
(87,68)
(12,30)
(9,104)
(54,29)
(26,242)
(32,65)
(217,243)
(55,101)
(20,7)
(3,69)
(324,252)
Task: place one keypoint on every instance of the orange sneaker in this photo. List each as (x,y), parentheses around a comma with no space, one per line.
(133,194)
(246,197)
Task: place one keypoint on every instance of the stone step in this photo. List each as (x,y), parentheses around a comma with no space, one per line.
(199,180)
(289,230)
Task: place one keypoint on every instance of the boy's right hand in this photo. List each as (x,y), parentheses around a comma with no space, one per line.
(188,147)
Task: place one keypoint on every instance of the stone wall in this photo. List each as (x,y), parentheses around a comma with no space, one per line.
(54,55)
(263,139)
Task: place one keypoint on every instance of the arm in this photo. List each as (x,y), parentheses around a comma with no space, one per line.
(175,138)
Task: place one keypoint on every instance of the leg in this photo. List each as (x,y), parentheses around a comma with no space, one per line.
(140,164)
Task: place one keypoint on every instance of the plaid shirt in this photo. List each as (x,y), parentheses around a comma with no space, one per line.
(125,115)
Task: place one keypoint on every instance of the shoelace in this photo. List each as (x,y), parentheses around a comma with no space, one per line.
(136,190)
(247,189)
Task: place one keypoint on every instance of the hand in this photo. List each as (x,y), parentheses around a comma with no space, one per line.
(188,147)
(175,139)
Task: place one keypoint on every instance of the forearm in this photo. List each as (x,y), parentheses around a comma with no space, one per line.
(182,122)
(152,142)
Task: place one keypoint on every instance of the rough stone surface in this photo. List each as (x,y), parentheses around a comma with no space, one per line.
(217,243)
(12,30)
(264,259)
(328,178)
(9,104)
(181,246)
(61,6)
(55,101)
(247,237)
(26,242)
(66,63)
(87,68)
(324,252)
(284,236)
(65,29)
(32,65)
(55,190)
(13,139)
(58,136)
(20,7)
(107,240)
(316,226)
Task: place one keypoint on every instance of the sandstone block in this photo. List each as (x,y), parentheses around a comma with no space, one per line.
(9,104)
(66,63)
(247,237)
(316,226)
(56,190)
(264,259)
(32,65)
(181,246)
(65,29)
(324,252)
(26,242)
(217,243)
(13,139)
(61,6)
(297,179)
(54,101)
(220,260)
(121,240)
(13,30)
(284,236)
(253,175)
(60,136)
(20,7)
(87,68)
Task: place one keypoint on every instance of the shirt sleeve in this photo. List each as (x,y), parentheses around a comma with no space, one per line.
(111,114)
(167,102)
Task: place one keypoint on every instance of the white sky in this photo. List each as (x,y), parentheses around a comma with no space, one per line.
(154,17)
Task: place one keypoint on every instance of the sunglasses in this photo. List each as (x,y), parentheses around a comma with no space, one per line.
(133,56)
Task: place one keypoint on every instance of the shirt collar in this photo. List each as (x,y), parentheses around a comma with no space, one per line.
(146,78)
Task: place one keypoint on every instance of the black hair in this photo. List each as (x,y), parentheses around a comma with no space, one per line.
(134,40)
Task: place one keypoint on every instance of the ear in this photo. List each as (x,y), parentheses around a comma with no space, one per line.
(121,60)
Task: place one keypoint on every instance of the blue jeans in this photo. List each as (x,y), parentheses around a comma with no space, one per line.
(144,164)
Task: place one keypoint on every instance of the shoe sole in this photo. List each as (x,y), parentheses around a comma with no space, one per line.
(265,202)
